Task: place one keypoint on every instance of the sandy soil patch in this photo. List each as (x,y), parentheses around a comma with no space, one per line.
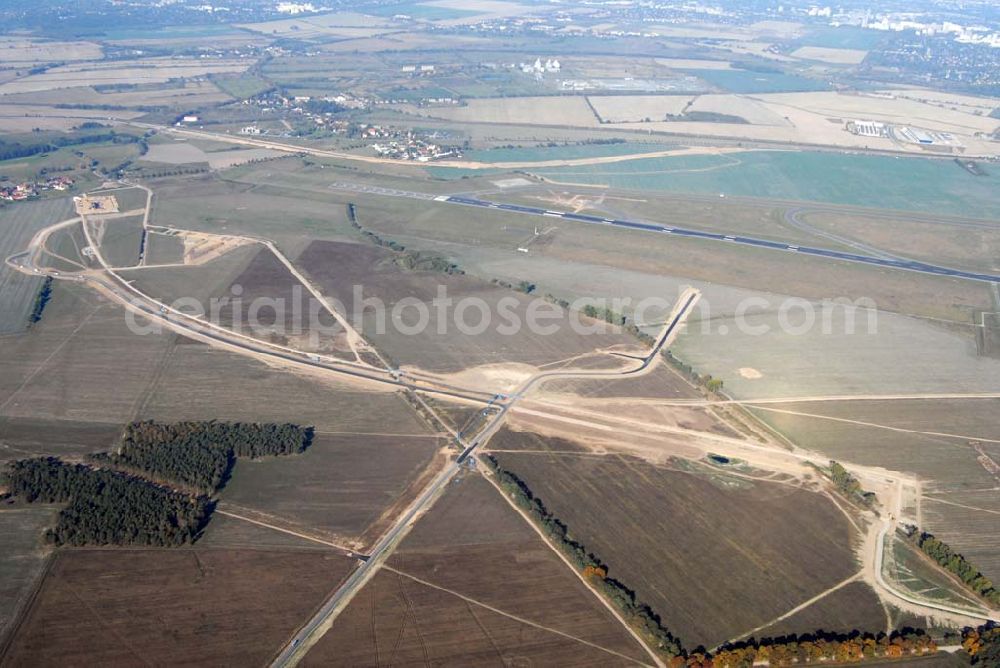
(491,377)
(200,248)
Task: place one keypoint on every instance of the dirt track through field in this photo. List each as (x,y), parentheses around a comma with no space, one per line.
(498,611)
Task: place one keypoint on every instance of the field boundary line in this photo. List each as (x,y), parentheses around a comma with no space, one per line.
(607,604)
(850,518)
(274,527)
(516,618)
(962,505)
(24,605)
(376,433)
(862,423)
(110,629)
(45,362)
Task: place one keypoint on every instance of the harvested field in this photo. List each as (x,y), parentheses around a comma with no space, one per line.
(227,159)
(886,433)
(883,108)
(337,24)
(456,549)
(741,106)
(762,548)
(636,108)
(121,240)
(855,607)
(22,51)
(175,153)
(221,607)
(22,558)
(18,223)
(642,108)
(323,400)
(508,439)
(565,110)
(832,56)
(149,70)
(342,486)
(29,437)
(184,153)
(80,363)
(283,215)
(190,94)
(201,281)
(969,522)
(22,119)
(164,249)
(275,306)
(339,267)
(231,532)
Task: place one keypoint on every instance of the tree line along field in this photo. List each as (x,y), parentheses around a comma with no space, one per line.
(645,521)
(18,223)
(473,584)
(103,375)
(426,224)
(959,503)
(155,487)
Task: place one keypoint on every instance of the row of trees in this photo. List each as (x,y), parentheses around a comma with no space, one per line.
(789,650)
(11,151)
(107,507)
(41,300)
(983,645)
(408,260)
(848,485)
(850,648)
(200,455)
(639,615)
(955,563)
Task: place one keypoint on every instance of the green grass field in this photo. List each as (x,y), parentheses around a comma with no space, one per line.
(240,86)
(907,184)
(122,240)
(419,10)
(567,152)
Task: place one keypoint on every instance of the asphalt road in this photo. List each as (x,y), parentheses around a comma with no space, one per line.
(893,263)
(294,650)
(877,258)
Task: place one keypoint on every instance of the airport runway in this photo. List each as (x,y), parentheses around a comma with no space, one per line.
(886,261)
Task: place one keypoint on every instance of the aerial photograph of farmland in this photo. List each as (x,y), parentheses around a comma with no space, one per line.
(453,333)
